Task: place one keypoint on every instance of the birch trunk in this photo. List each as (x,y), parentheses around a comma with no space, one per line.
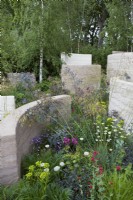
(41,64)
(41,47)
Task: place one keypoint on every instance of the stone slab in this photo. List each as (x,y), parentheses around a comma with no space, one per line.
(76,59)
(121,99)
(81,78)
(7,105)
(120,65)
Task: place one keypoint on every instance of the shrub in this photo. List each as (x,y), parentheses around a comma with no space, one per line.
(22,95)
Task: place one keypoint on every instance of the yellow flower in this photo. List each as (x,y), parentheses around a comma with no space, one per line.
(38,163)
(109,119)
(46,165)
(31,168)
(28,175)
(44,175)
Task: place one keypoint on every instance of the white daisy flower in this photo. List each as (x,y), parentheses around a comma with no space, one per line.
(47,146)
(62,164)
(42,165)
(86,153)
(57,168)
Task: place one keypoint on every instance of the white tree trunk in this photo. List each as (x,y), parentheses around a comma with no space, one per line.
(41,64)
(41,48)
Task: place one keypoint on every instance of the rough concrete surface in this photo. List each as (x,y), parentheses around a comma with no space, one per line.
(121,99)
(15,136)
(80,78)
(120,64)
(76,59)
(7,105)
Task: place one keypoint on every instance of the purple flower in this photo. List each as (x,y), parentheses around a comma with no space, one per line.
(66,140)
(74,141)
(58,146)
(36,140)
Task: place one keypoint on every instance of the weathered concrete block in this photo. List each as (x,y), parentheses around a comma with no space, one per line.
(26,79)
(121,99)
(16,133)
(114,52)
(76,59)
(7,105)
(81,78)
(120,65)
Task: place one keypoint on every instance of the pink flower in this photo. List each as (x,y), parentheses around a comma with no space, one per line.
(118,168)
(74,141)
(66,140)
(95,153)
(100,170)
(93,159)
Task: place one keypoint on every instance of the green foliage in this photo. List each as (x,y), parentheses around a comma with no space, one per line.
(110,132)
(46,156)
(22,190)
(56,192)
(108,159)
(119,26)
(119,184)
(22,95)
(95,27)
(99,54)
(44,86)
(38,172)
(52,85)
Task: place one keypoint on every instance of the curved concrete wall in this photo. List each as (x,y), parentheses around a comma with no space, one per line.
(121,99)
(15,136)
(80,78)
(76,59)
(120,64)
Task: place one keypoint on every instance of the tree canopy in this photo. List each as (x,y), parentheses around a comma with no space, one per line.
(34,33)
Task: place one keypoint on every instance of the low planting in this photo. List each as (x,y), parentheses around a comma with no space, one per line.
(80,160)
(26,94)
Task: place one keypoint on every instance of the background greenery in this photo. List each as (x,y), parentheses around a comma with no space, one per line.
(81,26)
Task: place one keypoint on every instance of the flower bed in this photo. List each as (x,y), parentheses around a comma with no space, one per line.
(81,160)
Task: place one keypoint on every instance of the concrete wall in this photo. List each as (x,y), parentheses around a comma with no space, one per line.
(121,99)
(120,64)
(16,132)
(80,78)
(7,105)
(76,59)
